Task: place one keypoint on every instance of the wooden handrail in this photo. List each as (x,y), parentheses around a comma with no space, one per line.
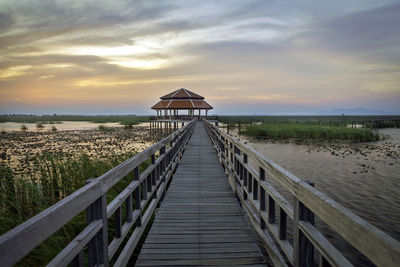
(146,188)
(259,198)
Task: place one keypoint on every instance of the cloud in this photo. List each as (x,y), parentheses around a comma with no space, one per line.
(293,55)
(5,22)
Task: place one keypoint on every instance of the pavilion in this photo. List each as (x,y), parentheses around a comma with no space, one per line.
(182,99)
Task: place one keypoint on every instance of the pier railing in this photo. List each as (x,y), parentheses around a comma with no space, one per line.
(139,200)
(259,198)
(181,117)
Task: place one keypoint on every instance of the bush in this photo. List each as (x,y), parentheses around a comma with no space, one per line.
(104,128)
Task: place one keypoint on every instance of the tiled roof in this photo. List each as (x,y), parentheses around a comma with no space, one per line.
(182,104)
(182,94)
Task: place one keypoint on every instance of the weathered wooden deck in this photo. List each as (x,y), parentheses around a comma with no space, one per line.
(200,221)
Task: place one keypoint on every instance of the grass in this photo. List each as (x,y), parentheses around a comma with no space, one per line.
(52,119)
(39,125)
(59,177)
(104,128)
(343,121)
(23,127)
(280,130)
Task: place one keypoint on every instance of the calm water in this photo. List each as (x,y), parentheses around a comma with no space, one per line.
(64,126)
(366,181)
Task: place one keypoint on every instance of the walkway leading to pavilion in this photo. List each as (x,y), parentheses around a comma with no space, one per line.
(200,221)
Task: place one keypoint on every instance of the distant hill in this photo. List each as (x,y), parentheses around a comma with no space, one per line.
(357,111)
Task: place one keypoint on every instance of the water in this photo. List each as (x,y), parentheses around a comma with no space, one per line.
(63,126)
(363,178)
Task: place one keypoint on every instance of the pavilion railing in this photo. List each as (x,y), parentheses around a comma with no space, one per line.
(259,198)
(181,117)
(139,200)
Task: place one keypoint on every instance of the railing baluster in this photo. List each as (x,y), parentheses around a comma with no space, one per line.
(136,193)
(271,210)
(153,173)
(262,197)
(323,262)
(250,185)
(245,173)
(163,165)
(303,249)
(118,222)
(255,189)
(282,224)
(128,208)
(79,260)
(98,246)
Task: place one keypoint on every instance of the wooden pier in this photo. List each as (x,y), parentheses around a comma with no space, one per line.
(200,221)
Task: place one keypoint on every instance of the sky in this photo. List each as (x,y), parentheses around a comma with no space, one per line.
(245,57)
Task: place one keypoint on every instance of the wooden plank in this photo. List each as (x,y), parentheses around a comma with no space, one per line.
(379,247)
(199,262)
(200,221)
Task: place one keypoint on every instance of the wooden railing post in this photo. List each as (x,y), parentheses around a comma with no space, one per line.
(136,193)
(98,246)
(262,197)
(79,260)
(128,208)
(245,160)
(118,222)
(153,174)
(303,249)
(162,163)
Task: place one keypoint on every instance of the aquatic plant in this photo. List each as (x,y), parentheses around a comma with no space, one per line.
(49,119)
(21,199)
(104,128)
(283,130)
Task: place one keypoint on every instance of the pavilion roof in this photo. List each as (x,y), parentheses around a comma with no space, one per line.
(182,94)
(182,104)
(182,99)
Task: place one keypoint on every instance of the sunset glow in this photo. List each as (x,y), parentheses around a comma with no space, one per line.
(279,57)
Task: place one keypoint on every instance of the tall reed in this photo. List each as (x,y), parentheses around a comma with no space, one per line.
(309,131)
(21,199)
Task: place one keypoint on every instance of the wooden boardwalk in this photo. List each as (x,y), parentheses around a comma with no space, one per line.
(200,221)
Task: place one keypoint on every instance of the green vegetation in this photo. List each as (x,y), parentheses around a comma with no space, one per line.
(51,119)
(343,121)
(281,130)
(54,129)
(104,128)
(23,127)
(59,177)
(39,125)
